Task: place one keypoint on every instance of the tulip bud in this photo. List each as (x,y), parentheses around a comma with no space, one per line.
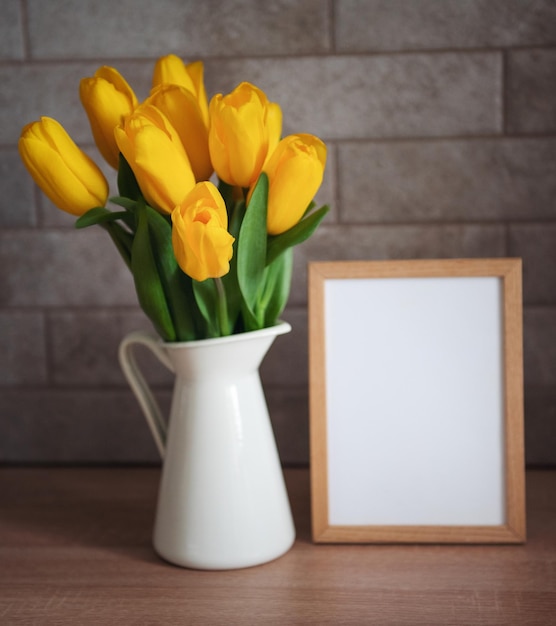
(171,70)
(107,99)
(182,110)
(295,171)
(201,241)
(157,157)
(243,126)
(71,180)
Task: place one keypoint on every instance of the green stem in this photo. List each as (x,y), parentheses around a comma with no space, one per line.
(122,240)
(222,308)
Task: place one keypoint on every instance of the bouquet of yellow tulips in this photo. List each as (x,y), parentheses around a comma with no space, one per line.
(208,259)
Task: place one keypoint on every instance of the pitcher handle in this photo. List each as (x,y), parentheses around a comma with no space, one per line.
(138,384)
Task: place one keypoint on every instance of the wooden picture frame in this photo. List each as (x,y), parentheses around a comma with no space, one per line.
(416,401)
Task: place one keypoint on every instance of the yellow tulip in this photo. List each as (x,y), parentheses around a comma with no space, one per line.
(107,99)
(71,180)
(182,110)
(201,241)
(295,171)
(157,157)
(244,124)
(171,70)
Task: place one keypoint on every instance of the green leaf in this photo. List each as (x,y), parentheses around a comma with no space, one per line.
(147,280)
(276,290)
(236,218)
(206,296)
(127,203)
(248,320)
(176,285)
(127,183)
(233,294)
(311,206)
(251,247)
(122,240)
(234,298)
(295,235)
(100,215)
(227,192)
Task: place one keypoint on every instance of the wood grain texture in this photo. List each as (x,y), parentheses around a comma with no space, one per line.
(509,271)
(513,398)
(75,548)
(318,445)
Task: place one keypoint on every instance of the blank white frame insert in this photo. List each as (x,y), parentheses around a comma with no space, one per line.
(416,401)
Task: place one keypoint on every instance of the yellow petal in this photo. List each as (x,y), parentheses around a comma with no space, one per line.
(107,98)
(114,77)
(170,69)
(63,171)
(196,73)
(295,171)
(184,114)
(105,108)
(274,125)
(157,157)
(241,123)
(201,242)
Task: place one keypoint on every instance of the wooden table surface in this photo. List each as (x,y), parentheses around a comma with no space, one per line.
(75,549)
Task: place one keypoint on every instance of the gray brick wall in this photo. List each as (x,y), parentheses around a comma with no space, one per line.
(440,117)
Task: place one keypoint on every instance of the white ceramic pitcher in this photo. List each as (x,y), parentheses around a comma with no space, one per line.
(222,501)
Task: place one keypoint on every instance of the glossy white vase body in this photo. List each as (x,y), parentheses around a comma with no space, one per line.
(222,500)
